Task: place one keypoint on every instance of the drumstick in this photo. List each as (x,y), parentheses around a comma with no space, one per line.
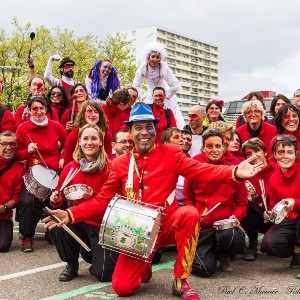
(68,230)
(32,36)
(263,192)
(38,152)
(211,209)
(68,179)
(74,97)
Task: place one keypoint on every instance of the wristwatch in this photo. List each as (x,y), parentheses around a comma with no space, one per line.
(5,208)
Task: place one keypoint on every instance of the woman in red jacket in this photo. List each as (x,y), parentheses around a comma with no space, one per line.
(282,239)
(91,159)
(40,142)
(257,187)
(36,87)
(91,113)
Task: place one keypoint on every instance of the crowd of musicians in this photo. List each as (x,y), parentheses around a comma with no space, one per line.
(218,187)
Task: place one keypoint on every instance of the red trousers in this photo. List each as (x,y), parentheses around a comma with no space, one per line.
(181,227)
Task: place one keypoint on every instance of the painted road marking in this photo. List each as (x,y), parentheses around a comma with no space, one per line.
(90,288)
(33,271)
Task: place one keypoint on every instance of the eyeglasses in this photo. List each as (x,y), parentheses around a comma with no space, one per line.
(255,112)
(130,142)
(107,67)
(11,144)
(286,137)
(68,66)
(56,94)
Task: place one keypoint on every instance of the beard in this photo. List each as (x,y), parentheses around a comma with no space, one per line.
(69,74)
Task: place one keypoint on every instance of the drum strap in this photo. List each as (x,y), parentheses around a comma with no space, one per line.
(7,166)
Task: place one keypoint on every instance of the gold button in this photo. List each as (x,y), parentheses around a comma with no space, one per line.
(145,157)
(146,172)
(146,187)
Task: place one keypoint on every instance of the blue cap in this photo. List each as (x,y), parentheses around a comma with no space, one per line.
(141,112)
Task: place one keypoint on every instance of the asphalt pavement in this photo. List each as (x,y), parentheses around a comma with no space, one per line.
(35,276)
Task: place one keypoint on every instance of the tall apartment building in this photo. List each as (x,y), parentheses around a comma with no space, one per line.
(193,62)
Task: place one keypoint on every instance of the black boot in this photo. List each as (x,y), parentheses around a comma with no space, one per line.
(224,263)
(251,252)
(69,272)
(295,262)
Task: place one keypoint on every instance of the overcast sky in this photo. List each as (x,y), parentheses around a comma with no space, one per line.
(258,41)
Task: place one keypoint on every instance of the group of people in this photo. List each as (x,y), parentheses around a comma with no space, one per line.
(94,140)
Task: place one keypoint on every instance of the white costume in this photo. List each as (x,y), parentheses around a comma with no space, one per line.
(159,76)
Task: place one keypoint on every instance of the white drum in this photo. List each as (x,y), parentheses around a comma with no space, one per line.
(278,213)
(130,227)
(75,191)
(39,181)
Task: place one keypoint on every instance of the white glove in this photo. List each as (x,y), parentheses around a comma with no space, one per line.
(55,57)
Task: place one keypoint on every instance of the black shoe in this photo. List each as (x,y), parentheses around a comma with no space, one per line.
(69,272)
(251,252)
(225,263)
(295,261)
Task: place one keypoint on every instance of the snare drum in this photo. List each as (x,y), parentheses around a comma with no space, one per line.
(130,228)
(278,213)
(75,191)
(225,224)
(39,181)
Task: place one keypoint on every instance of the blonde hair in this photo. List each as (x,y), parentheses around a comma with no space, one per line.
(100,157)
(251,103)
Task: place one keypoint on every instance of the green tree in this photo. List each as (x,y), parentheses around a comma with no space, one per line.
(84,50)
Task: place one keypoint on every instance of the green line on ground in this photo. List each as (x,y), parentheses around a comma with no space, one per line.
(93,287)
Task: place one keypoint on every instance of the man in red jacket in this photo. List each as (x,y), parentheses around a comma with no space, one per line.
(204,196)
(151,180)
(11,173)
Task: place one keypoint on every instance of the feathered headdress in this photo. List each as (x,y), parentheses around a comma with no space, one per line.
(156,47)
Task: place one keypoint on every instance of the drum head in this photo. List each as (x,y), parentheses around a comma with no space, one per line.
(45,176)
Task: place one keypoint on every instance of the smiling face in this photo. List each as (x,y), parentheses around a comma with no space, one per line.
(68,70)
(213,148)
(91,115)
(214,113)
(143,134)
(297,98)
(105,68)
(35,83)
(253,115)
(80,93)
(56,95)
(285,157)
(38,112)
(90,143)
(290,121)
(154,59)
(159,97)
(8,146)
(123,144)
(186,143)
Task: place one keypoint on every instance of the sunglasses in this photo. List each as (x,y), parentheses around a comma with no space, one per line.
(286,137)
(106,67)
(56,94)
(68,66)
(5,145)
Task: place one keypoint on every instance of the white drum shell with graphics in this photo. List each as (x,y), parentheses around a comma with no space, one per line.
(130,228)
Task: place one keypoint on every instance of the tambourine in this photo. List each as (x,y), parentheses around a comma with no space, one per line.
(278,213)
(76,191)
